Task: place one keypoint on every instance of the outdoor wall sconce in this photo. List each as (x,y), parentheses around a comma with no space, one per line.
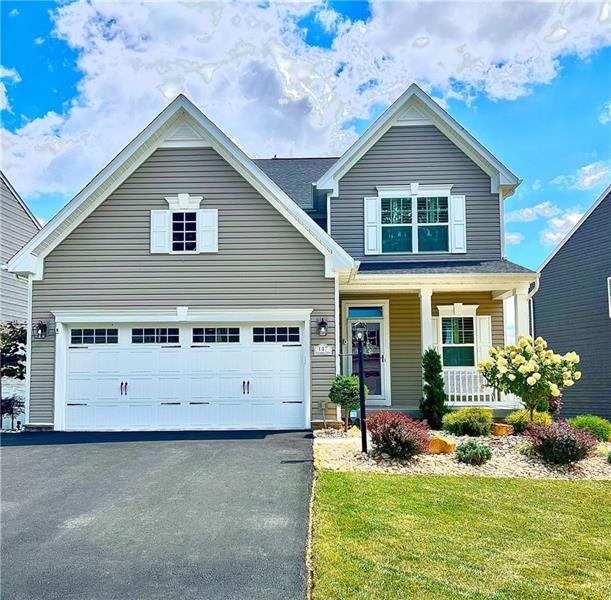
(40,330)
(323,327)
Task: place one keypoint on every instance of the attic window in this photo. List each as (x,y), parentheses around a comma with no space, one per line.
(184,231)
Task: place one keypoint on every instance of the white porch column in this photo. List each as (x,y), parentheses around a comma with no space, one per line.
(426,318)
(522,320)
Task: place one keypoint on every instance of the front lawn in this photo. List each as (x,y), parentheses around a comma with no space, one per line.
(394,536)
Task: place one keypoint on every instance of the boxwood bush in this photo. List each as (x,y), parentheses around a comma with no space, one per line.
(469,421)
(560,443)
(600,428)
(520,419)
(397,435)
(473,452)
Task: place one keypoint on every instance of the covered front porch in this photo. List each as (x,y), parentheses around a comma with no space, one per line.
(461,318)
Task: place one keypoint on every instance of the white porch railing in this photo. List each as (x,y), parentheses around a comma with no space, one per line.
(466,387)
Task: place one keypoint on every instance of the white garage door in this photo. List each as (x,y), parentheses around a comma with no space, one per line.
(185,377)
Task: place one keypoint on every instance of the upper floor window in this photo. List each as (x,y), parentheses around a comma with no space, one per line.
(184,231)
(431,220)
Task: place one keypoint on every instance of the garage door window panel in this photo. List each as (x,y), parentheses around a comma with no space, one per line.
(94,336)
(276,334)
(216,335)
(155,335)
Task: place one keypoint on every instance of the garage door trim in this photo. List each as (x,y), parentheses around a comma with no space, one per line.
(181,314)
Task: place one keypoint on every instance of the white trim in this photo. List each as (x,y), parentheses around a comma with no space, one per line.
(577,225)
(500,175)
(386,399)
(421,190)
(338,343)
(20,201)
(28,351)
(608,293)
(458,309)
(184,202)
(134,154)
(329,214)
(307,375)
(60,375)
(182,314)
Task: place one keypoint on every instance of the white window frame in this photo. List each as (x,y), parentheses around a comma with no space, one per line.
(609,294)
(414,192)
(185,211)
(385,399)
(458,309)
(473,345)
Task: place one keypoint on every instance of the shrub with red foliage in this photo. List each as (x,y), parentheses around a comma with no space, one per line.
(397,435)
(560,443)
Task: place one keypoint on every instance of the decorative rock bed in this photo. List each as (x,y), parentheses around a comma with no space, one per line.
(337,452)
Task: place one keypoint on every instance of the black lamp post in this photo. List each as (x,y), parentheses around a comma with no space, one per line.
(360,333)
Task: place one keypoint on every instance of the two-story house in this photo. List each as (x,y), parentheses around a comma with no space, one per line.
(190,287)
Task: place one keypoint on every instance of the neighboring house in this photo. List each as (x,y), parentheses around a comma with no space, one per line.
(17,227)
(572,309)
(188,286)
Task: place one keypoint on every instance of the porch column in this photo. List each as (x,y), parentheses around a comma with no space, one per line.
(522,320)
(426,318)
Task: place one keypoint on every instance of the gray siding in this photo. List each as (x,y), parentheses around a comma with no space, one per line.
(423,154)
(572,310)
(16,229)
(263,261)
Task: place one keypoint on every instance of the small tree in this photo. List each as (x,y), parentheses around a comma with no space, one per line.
(13,339)
(531,371)
(433,406)
(11,406)
(345,392)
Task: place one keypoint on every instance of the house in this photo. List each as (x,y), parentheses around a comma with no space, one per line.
(188,286)
(572,309)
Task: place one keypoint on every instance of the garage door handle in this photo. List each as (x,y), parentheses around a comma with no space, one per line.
(75,404)
(170,403)
(248,387)
(122,384)
(292,402)
(243,387)
(126,388)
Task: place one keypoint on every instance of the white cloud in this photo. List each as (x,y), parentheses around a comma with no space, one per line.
(39,41)
(558,227)
(513,238)
(41,221)
(586,177)
(531,213)
(13,12)
(11,76)
(605,114)
(537,185)
(250,71)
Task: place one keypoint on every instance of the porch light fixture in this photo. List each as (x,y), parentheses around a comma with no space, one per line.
(40,330)
(360,333)
(323,327)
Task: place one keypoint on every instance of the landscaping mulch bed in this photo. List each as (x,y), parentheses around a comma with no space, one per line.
(334,451)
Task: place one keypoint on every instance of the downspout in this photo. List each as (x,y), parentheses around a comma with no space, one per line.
(531,306)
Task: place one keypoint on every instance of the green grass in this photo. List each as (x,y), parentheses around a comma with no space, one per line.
(392,536)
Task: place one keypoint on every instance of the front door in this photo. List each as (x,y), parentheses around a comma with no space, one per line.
(374,358)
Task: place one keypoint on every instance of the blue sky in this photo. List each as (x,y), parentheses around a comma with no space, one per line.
(78,81)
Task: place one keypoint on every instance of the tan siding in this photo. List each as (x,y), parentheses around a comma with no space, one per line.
(16,229)
(263,262)
(405,346)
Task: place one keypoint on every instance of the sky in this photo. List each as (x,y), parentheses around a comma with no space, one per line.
(531,81)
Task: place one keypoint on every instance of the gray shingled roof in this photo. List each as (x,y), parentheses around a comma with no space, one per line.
(296,175)
(455,266)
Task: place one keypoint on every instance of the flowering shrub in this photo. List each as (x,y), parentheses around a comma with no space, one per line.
(600,428)
(560,443)
(397,435)
(473,453)
(469,421)
(520,419)
(530,371)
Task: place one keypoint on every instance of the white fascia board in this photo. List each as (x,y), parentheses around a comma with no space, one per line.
(499,173)
(577,225)
(183,314)
(136,152)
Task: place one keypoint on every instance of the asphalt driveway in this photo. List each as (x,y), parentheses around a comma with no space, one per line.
(155,515)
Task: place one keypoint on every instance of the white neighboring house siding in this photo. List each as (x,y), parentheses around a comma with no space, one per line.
(106,263)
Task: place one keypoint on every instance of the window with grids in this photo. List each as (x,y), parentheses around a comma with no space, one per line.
(396,224)
(216,335)
(94,336)
(458,341)
(156,335)
(433,225)
(275,334)
(184,231)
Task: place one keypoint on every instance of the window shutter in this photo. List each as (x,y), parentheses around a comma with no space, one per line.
(207,230)
(458,224)
(160,231)
(373,234)
(484,336)
(437,334)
